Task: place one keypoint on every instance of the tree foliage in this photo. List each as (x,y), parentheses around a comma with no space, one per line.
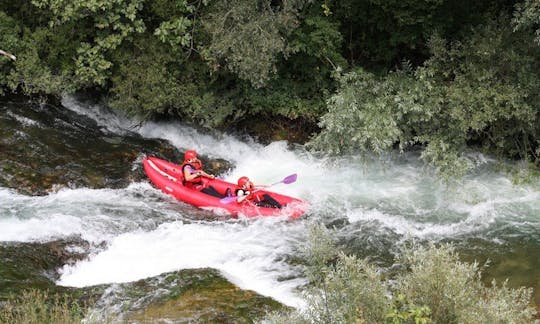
(527,16)
(32,72)
(465,77)
(177,21)
(111,22)
(247,36)
(480,91)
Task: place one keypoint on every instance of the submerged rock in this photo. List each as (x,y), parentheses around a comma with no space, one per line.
(35,265)
(195,296)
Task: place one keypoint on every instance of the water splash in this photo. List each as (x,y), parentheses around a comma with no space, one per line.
(248,254)
(372,202)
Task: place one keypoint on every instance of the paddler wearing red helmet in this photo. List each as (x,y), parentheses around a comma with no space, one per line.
(244,192)
(192,170)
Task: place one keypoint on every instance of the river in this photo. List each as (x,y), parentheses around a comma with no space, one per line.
(375,205)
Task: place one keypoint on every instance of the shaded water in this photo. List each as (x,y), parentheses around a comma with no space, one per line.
(138,232)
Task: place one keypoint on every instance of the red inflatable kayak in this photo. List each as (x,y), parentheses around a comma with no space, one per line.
(168,177)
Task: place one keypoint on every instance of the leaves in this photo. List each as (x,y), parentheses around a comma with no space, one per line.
(471,92)
(215,63)
(112,21)
(432,286)
(527,15)
(174,32)
(247,38)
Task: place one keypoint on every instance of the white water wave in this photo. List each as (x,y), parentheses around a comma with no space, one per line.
(96,215)
(250,256)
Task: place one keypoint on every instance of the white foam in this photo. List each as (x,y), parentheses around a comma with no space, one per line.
(114,122)
(94,215)
(149,233)
(24,120)
(247,254)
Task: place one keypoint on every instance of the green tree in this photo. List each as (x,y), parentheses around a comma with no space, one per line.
(247,37)
(178,19)
(42,66)
(304,78)
(379,34)
(9,41)
(105,25)
(160,81)
(527,15)
(479,92)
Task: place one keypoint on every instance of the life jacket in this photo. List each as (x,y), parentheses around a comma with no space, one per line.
(250,196)
(195,166)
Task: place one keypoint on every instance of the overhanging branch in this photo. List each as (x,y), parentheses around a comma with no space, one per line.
(11,56)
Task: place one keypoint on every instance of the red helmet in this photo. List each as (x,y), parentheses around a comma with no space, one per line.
(190,154)
(242,181)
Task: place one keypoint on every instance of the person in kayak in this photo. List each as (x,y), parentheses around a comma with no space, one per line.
(193,174)
(245,192)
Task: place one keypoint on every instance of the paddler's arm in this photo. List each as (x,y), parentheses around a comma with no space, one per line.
(191,174)
(201,172)
(204,174)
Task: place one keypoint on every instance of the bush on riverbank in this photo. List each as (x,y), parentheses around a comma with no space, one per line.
(38,307)
(434,286)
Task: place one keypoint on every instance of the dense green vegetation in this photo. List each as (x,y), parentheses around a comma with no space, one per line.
(432,285)
(440,74)
(38,307)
